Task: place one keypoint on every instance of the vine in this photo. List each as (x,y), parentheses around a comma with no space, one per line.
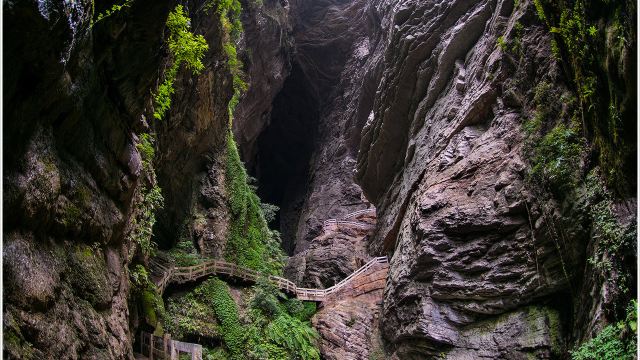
(185,48)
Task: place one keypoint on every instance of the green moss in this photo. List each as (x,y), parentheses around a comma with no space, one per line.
(614,342)
(15,344)
(71,215)
(581,42)
(88,275)
(149,307)
(251,244)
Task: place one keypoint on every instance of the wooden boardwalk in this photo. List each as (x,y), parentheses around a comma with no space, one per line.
(181,275)
(347,221)
(163,347)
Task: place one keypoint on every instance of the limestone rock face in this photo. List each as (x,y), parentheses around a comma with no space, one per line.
(192,150)
(77,98)
(267,47)
(441,159)
(333,41)
(349,319)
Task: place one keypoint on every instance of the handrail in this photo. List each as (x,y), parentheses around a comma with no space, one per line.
(169,348)
(359,212)
(360,224)
(345,219)
(189,273)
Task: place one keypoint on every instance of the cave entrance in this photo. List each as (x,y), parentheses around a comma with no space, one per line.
(284,152)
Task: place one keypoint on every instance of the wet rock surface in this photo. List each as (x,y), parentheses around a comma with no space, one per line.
(78,97)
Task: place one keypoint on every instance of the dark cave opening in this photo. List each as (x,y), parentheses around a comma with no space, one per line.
(284,151)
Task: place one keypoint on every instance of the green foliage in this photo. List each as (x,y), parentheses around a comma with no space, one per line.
(227,314)
(142,223)
(556,157)
(185,254)
(302,310)
(192,314)
(281,327)
(614,342)
(555,154)
(150,302)
(613,240)
(147,150)
(149,200)
(270,331)
(251,244)
(584,33)
(269,211)
(293,335)
(115,8)
(186,49)
(501,43)
(229,12)
(139,277)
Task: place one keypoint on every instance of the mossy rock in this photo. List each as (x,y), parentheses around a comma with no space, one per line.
(88,275)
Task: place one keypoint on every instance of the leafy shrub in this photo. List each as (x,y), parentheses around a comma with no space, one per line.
(186,48)
(115,8)
(614,342)
(185,254)
(281,326)
(556,156)
(584,33)
(294,336)
(150,302)
(142,223)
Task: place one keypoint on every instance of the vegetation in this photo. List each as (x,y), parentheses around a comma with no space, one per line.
(229,12)
(150,302)
(227,314)
(115,8)
(278,333)
(272,330)
(614,242)
(185,254)
(149,200)
(556,152)
(251,244)
(589,36)
(614,342)
(185,48)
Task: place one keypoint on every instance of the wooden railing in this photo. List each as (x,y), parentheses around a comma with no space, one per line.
(358,213)
(216,267)
(328,224)
(157,347)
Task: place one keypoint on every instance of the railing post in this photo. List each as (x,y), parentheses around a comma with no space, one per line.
(165,346)
(150,346)
(174,352)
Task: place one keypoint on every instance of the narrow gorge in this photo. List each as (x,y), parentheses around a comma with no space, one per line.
(320,179)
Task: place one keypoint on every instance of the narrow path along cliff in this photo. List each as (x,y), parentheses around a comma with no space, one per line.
(320,179)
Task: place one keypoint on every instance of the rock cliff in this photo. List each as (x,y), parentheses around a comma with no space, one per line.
(78,99)
(491,143)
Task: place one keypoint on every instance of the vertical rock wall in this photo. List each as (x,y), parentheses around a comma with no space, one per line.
(77,96)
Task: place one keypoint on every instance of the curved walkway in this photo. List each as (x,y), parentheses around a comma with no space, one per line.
(182,275)
(333,224)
